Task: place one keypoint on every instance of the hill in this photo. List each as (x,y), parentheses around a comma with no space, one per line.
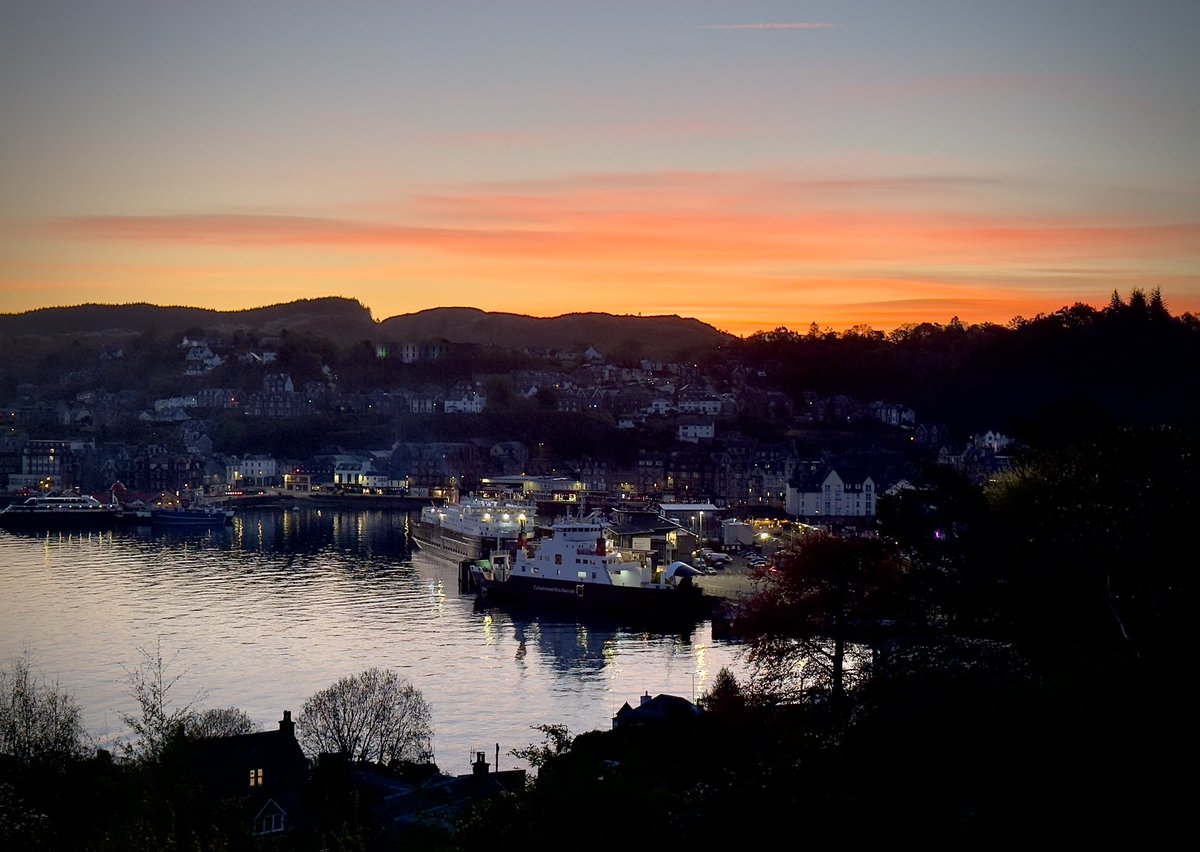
(347,321)
(662,337)
(317,316)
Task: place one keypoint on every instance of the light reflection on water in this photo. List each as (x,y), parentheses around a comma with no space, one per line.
(266,612)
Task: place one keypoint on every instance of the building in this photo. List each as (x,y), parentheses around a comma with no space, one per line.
(266,771)
(831,492)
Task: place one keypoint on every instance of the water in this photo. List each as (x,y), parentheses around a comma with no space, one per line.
(267,612)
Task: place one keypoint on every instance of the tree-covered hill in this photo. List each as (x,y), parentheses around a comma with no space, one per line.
(659,337)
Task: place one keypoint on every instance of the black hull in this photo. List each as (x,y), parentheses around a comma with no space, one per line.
(34,522)
(616,605)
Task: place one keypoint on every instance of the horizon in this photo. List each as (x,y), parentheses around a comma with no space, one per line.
(748,164)
(840,329)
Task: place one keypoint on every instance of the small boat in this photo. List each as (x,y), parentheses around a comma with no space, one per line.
(473,527)
(58,512)
(209,516)
(576,569)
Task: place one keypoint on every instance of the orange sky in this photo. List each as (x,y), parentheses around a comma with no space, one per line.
(727,161)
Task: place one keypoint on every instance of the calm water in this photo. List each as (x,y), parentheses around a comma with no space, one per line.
(265,613)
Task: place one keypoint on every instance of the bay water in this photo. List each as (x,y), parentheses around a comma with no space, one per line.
(265,612)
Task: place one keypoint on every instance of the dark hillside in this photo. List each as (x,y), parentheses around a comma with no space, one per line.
(345,316)
(616,337)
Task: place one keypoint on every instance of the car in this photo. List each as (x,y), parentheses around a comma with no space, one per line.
(718,558)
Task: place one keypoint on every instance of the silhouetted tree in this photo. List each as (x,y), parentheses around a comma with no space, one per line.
(39,721)
(219,722)
(820,602)
(152,683)
(373,716)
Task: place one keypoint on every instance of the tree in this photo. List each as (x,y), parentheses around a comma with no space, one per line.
(39,722)
(725,695)
(219,722)
(156,722)
(556,740)
(369,716)
(820,604)
(1090,542)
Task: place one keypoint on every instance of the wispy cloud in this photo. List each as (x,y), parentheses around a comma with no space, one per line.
(858,247)
(781,25)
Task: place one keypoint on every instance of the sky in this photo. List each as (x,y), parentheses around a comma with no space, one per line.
(750,164)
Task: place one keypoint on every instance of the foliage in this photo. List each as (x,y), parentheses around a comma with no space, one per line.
(39,721)
(1090,540)
(219,722)
(373,716)
(151,683)
(556,741)
(818,605)
(725,695)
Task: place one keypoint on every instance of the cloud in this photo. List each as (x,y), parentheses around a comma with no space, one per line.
(741,249)
(794,25)
(683,220)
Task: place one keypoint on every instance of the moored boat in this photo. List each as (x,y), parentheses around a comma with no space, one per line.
(473,527)
(577,569)
(58,512)
(212,516)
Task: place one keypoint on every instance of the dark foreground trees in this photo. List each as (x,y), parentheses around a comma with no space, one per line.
(39,721)
(373,716)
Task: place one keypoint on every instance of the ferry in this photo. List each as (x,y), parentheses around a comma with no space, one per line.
(474,527)
(577,569)
(59,512)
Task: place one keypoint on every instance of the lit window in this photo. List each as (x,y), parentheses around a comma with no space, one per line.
(256,777)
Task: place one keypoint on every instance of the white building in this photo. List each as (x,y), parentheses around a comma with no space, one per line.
(472,403)
(832,494)
(251,471)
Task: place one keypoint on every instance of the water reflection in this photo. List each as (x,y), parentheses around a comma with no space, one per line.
(268,610)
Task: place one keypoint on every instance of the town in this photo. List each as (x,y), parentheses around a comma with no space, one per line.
(251,413)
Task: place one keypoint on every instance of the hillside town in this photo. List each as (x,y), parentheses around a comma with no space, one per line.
(679,432)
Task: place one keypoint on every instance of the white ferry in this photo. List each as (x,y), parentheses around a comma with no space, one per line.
(474,527)
(577,569)
(58,512)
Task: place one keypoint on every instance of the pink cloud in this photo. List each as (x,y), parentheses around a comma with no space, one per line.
(690,218)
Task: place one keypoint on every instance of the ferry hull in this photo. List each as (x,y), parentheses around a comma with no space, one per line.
(615,604)
(455,545)
(90,519)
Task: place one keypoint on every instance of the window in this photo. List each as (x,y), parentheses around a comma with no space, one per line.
(256,777)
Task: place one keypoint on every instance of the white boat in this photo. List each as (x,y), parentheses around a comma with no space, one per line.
(474,527)
(58,512)
(579,570)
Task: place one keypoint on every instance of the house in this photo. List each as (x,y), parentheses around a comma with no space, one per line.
(638,528)
(421,798)
(266,770)
(659,710)
(693,430)
(469,403)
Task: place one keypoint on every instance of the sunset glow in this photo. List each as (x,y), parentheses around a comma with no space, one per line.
(865,164)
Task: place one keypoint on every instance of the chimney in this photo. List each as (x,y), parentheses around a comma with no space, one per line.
(286,725)
(645,700)
(480,766)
